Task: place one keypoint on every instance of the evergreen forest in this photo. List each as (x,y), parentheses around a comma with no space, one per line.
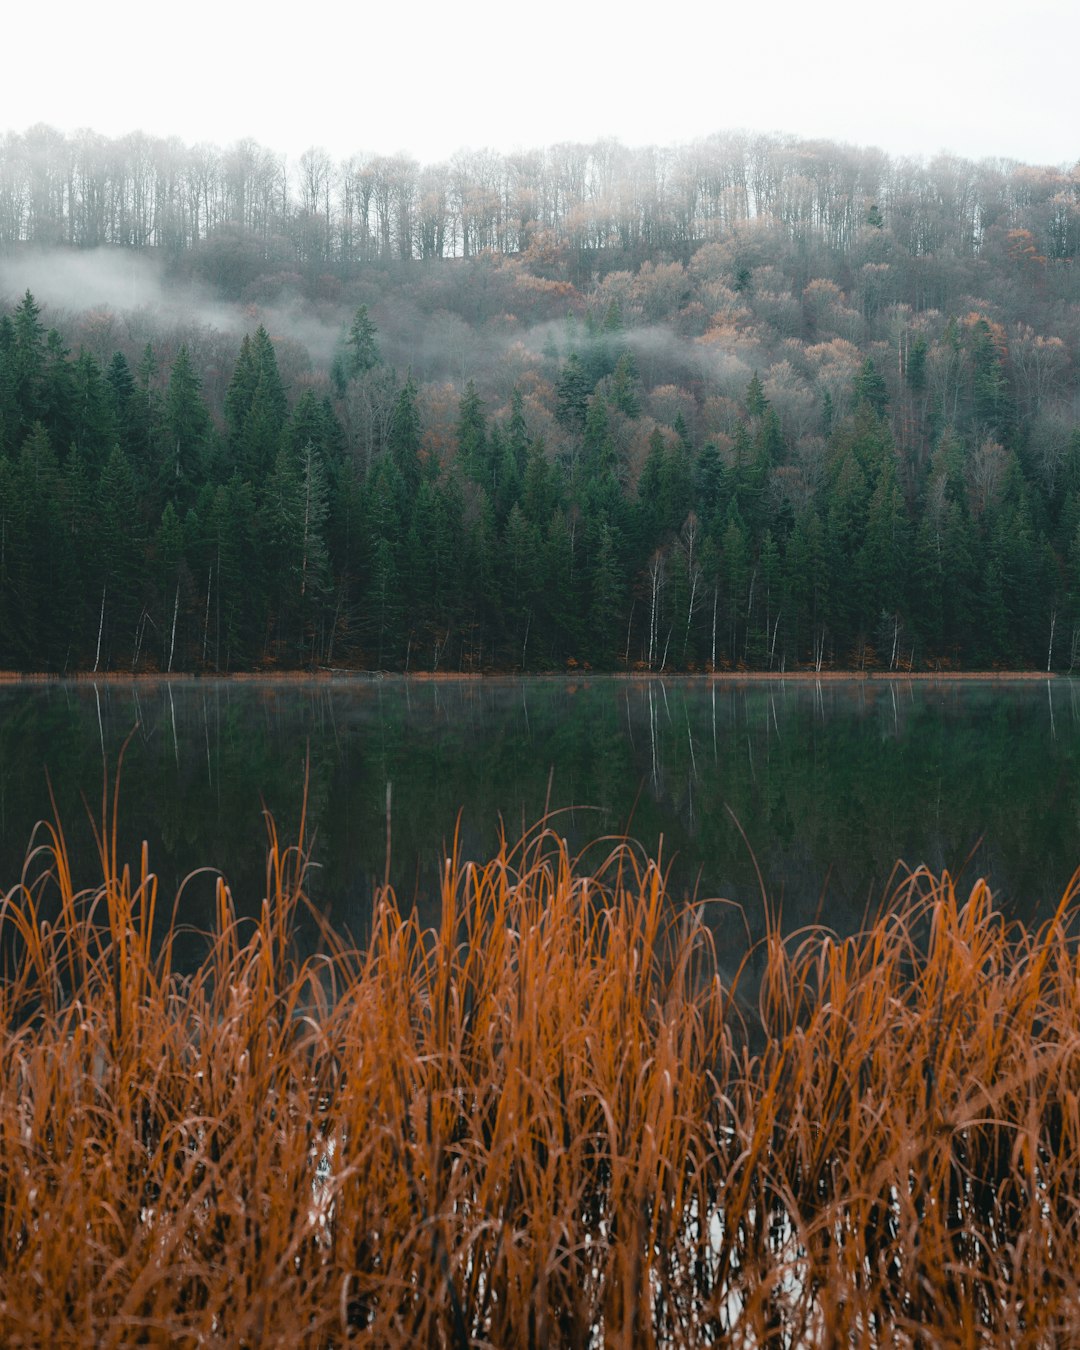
(754,403)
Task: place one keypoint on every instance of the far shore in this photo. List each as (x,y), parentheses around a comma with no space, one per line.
(345,676)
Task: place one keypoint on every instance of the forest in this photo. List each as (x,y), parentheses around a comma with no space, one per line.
(753,403)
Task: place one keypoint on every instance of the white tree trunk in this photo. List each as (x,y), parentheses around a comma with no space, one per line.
(715,595)
(101,625)
(172,638)
(206,621)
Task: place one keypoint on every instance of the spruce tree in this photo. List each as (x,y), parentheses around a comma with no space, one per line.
(96,424)
(239,396)
(359,353)
(472,435)
(605,604)
(404,439)
(756,402)
(58,391)
(28,366)
(168,552)
(572,393)
(870,388)
(9,411)
(186,431)
(626,386)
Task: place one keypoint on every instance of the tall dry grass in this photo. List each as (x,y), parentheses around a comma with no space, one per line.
(549,1122)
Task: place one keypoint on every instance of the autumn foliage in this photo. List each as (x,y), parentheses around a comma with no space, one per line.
(552,1121)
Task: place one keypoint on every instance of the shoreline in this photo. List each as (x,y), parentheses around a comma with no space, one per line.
(344,676)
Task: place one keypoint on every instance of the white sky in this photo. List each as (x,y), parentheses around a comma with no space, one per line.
(986,78)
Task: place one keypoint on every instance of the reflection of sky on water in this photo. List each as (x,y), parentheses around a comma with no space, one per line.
(829,783)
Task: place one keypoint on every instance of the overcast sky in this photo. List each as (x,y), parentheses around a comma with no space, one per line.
(995,78)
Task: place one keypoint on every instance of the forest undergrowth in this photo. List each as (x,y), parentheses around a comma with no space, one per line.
(553,1120)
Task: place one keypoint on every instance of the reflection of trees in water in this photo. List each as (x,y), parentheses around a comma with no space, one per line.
(830,783)
(833,783)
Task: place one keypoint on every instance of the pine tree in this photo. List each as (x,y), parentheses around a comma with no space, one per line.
(539,492)
(262,436)
(9,411)
(168,550)
(598,448)
(520,554)
(314,509)
(807,583)
(884,559)
(756,402)
(770,607)
(605,606)
(507,489)
(447,564)
(96,425)
(845,527)
(709,480)
(185,431)
(256,410)
(990,406)
(482,576)
(39,562)
(313,419)
(384,605)
(122,399)
(870,388)
(626,386)
(828,414)
(266,366)
(227,547)
(144,420)
(282,517)
(404,439)
(676,487)
(472,435)
(120,559)
(295,510)
(361,351)
(572,393)
(647,516)
(559,629)
(736,571)
(915,370)
(121,384)
(239,396)
(58,391)
(9,598)
(517,434)
(28,366)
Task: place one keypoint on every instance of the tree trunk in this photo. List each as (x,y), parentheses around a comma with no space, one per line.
(172,638)
(101,625)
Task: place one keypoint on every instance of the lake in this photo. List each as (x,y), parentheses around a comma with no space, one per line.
(826,785)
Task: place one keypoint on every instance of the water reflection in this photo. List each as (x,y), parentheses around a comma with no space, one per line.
(829,782)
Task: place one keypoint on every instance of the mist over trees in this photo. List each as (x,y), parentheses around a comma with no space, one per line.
(750,403)
(85,190)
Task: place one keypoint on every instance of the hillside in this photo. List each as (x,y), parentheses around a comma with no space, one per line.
(747,403)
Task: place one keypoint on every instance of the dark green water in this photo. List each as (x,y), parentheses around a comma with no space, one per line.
(831,783)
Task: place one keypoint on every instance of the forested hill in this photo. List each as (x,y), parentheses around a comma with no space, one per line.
(748,403)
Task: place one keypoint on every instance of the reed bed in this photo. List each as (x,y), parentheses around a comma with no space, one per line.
(550,1121)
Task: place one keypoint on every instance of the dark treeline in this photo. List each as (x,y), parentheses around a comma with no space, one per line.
(791,445)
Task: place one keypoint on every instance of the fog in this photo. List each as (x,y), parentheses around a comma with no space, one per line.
(430,322)
(108,299)
(850,72)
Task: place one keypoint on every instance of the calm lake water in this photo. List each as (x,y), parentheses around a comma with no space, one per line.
(831,783)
